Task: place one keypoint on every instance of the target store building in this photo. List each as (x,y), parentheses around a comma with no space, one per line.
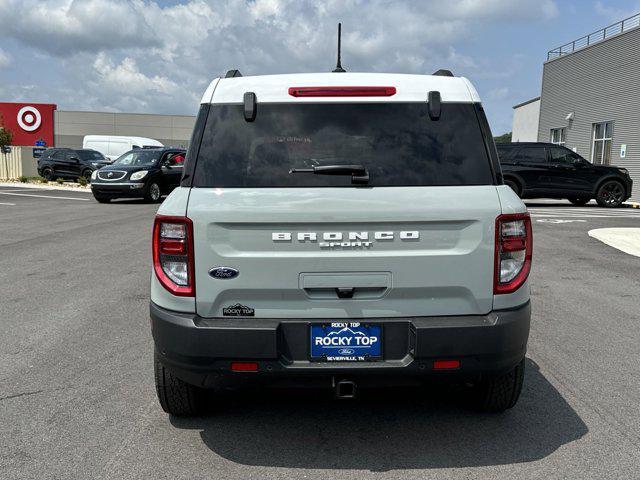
(35,126)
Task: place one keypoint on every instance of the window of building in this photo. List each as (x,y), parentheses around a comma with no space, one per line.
(558,135)
(601,146)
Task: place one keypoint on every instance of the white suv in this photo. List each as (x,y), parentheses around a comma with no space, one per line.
(342,230)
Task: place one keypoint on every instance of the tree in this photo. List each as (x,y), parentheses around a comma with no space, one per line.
(5,138)
(504,138)
(5,141)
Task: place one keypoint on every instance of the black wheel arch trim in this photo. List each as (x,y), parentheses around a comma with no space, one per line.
(607,178)
(514,177)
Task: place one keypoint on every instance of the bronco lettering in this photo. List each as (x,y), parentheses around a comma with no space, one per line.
(356,240)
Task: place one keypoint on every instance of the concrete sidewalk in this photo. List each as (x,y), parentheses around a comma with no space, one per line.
(64,187)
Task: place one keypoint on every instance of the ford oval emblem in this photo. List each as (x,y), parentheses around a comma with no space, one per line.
(223,273)
(346,351)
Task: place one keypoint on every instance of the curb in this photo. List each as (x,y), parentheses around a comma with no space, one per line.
(44,187)
(632,204)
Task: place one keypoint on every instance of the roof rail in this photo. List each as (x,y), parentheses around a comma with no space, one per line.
(443,73)
(232,74)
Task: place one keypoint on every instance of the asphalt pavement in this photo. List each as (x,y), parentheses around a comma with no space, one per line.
(77,396)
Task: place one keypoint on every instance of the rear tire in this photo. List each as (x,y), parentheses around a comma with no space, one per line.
(176,396)
(87,175)
(515,186)
(579,201)
(610,194)
(102,198)
(497,393)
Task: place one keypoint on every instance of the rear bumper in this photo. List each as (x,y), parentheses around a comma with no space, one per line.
(629,188)
(200,350)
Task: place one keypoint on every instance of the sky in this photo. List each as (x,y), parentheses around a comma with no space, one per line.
(154,56)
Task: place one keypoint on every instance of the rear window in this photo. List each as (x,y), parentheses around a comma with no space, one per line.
(398,143)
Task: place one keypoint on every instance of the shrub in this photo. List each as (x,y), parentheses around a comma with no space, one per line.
(59,180)
(23,179)
(43,180)
(82,181)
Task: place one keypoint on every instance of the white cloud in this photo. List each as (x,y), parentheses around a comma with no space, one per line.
(613,14)
(64,27)
(479,9)
(5,59)
(499,93)
(128,88)
(139,55)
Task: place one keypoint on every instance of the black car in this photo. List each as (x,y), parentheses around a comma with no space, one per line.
(535,170)
(70,163)
(142,173)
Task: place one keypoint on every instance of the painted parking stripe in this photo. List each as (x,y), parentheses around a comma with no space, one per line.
(560,215)
(44,196)
(586,210)
(583,213)
(576,217)
(9,204)
(582,209)
(589,212)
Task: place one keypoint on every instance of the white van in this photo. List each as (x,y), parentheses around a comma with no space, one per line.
(113,146)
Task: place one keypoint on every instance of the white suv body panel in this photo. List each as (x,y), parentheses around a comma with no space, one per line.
(447,270)
(275,88)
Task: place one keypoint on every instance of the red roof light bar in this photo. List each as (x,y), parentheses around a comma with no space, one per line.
(342,91)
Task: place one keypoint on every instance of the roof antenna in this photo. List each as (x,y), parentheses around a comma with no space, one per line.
(339,68)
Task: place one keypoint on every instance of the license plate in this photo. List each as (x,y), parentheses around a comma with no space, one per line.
(346,342)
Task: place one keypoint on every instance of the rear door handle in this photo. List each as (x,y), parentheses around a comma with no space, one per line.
(343,292)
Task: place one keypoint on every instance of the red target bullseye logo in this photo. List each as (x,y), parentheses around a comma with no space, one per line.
(29,118)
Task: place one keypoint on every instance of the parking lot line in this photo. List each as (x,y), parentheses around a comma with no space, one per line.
(570,212)
(44,196)
(10,204)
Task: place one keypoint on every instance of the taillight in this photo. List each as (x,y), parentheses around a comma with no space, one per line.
(514,246)
(342,91)
(173,254)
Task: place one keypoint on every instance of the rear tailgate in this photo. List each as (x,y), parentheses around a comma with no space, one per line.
(439,260)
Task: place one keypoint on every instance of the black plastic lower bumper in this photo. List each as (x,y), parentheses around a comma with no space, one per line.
(200,350)
(119,190)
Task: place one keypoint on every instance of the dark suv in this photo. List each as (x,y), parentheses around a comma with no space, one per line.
(69,163)
(535,170)
(145,173)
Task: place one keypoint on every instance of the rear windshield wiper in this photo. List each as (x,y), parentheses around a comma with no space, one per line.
(359,174)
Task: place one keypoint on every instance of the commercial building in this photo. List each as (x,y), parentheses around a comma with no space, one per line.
(36,126)
(526,119)
(590,97)
(70,127)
